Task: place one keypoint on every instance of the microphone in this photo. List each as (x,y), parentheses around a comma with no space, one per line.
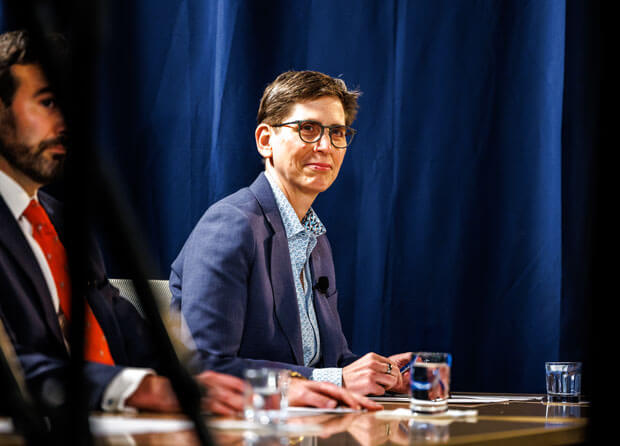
(321,285)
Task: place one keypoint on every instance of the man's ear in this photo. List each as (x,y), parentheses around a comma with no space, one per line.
(263,135)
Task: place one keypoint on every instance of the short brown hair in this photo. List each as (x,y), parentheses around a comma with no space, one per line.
(291,87)
(18,48)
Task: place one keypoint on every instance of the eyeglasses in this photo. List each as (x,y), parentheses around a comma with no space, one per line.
(312,131)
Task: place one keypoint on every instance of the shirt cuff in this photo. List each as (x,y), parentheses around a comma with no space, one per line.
(330,374)
(122,387)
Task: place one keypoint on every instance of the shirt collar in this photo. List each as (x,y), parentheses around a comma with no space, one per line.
(14,195)
(292,225)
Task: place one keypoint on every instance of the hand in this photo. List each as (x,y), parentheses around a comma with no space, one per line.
(224,393)
(326,395)
(402,359)
(368,375)
(154,393)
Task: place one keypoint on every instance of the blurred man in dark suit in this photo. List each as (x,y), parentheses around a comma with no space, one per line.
(35,300)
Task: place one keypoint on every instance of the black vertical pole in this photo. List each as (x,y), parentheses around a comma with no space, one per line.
(79,108)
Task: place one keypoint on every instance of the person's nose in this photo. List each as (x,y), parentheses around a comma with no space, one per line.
(325,143)
(60,127)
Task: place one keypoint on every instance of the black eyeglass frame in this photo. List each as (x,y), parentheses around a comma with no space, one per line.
(323,127)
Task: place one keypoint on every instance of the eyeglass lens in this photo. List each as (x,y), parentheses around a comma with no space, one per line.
(310,132)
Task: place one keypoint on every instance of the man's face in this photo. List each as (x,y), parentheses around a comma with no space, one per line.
(32,129)
(309,168)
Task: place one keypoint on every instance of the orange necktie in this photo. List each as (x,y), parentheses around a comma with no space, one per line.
(95,347)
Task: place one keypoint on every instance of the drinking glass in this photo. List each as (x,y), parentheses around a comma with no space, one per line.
(266,395)
(430,382)
(563,381)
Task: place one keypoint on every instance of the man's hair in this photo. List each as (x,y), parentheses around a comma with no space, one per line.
(292,87)
(18,48)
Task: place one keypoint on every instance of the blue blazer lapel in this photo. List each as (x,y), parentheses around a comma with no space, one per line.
(285,298)
(13,238)
(325,313)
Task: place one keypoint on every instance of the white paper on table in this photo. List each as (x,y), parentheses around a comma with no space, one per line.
(490,398)
(462,399)
(309,411)
(450,414)
(118,425)
(390,398)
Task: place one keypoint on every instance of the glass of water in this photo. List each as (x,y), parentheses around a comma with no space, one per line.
(265,397)
(563,381)
(430,382)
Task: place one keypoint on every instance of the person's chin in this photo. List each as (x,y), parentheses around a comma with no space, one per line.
(319,185)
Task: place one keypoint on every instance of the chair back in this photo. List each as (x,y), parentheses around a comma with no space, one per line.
(160,290)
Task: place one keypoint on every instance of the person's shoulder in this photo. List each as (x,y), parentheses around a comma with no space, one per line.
(242,199)
(54,208)
(242,204)
(48,201)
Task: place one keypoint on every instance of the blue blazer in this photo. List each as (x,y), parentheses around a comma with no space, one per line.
(28,314)
(233,283)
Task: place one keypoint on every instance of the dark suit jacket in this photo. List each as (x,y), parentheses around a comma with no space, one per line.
(27,311)
(233,282)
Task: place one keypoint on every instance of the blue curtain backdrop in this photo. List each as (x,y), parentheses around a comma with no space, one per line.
(460,220)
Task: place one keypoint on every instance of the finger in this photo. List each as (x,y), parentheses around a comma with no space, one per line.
(231,399)
(396,365)
(384,366)
(232,382)
(368,386)
(233,393)
(217,407)
(375,357)
(384,379)
(340,394)
(212,379)
(312,397)
(367,403)
(223,398)
(402,358)
(317,400)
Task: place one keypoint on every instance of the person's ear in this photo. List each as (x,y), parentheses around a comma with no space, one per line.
(263,135)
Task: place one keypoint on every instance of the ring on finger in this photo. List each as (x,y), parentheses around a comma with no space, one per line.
(389,369)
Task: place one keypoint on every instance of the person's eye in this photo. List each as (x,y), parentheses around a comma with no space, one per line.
(340,132)
(48,102)
(307,127)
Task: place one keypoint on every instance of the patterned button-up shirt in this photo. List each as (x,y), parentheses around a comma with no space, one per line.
(302,238)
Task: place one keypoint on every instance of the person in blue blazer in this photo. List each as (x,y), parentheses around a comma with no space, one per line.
(255,280)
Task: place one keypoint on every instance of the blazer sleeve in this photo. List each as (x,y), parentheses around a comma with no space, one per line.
(48,376)
(209,284)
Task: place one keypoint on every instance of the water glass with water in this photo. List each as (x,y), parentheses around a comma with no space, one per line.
(563,381)
(430,382)
(265,397)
